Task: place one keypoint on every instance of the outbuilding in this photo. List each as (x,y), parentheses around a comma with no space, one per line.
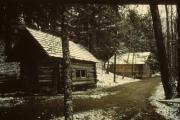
(131,64)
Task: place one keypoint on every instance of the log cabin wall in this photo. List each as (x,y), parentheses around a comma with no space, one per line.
(83,73)
(140,70)
(48,76)
(9,72)
(42,71)
(28,74)
(147,70)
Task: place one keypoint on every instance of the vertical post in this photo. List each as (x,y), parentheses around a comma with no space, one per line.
(115,67)
(178,49)
(68,104)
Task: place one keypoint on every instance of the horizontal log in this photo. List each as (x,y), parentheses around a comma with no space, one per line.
(45,76)
(83,79)
(45,81)
(45,71)
(83,82)
(82,67)
(46,67)
(88,70)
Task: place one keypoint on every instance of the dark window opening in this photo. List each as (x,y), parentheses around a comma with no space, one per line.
(78,73)
(81,73)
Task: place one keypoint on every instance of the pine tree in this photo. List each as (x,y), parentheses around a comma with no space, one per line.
(162,58)
(68,113)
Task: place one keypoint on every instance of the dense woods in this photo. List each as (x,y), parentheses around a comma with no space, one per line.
(104,30)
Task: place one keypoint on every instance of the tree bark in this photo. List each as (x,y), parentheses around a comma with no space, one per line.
(68,104)
(132,70)
(178,49)
(172,54)
(107,67)
(167,43)
(169,47)
(162,58)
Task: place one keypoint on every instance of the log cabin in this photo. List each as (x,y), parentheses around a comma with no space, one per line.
(40,56)
(131,64)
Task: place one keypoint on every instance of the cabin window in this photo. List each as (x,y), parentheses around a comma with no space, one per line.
(81,73)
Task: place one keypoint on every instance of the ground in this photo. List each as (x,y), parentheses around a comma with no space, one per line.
(122,102)
(170,109)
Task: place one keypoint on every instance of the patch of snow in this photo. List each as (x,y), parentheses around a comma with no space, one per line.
(95,95)
(156,74)
(10,101)
(99,114)
(106,80)
(170,110)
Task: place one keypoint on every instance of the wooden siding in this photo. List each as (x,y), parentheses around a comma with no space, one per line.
(139,70)
(50,75)
(89,67)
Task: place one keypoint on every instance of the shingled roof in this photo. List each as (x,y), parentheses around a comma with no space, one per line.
(127,58)
(53,46)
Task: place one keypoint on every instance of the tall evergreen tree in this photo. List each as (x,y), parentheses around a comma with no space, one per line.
(162,58)
(68,113)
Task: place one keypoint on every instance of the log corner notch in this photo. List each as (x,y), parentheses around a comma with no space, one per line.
(68,104)
(162,58)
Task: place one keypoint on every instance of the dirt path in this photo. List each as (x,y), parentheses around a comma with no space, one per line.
(130,101)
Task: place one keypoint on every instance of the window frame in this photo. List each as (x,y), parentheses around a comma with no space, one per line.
(80,73)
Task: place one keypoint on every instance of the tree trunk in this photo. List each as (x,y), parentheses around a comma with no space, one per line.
(178,49)
(169,47)
(167,43)
(107,67)
(2,22)
(172,54)
(68,104)
(115,67)
(162,58)
(132,70)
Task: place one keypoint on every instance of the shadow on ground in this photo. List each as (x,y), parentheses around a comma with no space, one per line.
(130,101)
